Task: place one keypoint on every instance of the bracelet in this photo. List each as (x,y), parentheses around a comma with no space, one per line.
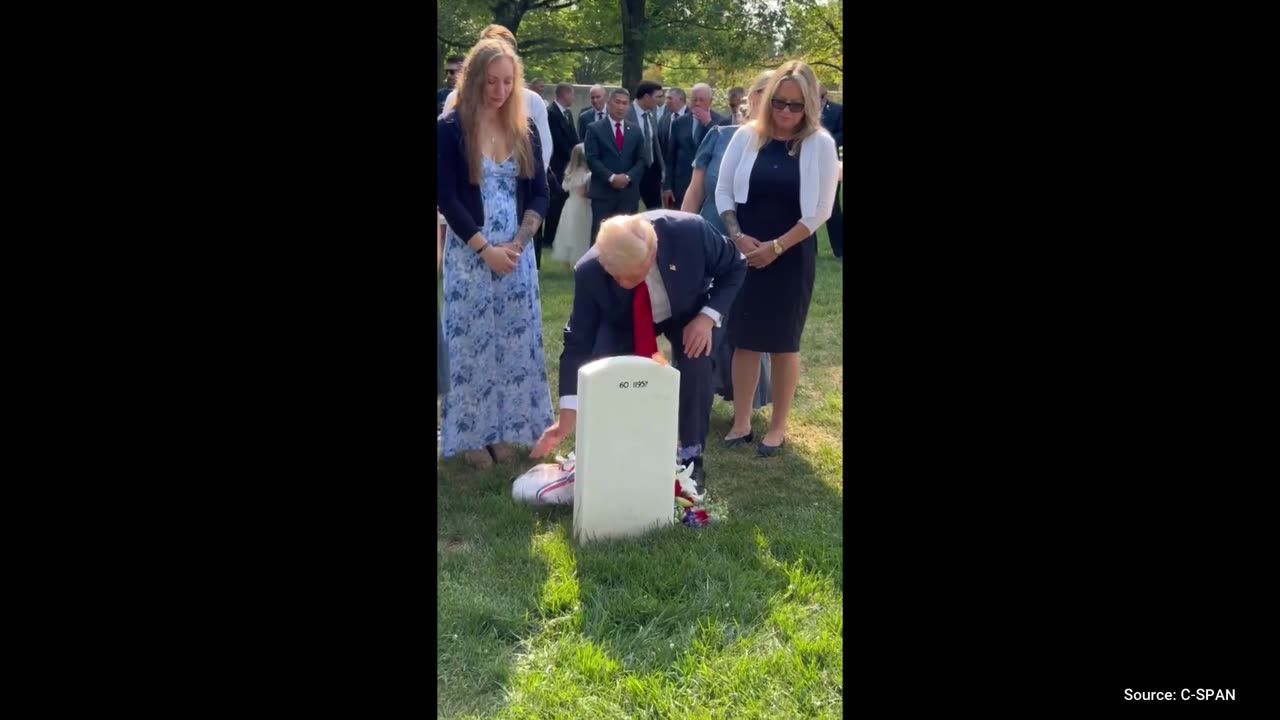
(482,249)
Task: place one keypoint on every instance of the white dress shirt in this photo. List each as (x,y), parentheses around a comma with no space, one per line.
(661,304)
(537,109)
(819,170)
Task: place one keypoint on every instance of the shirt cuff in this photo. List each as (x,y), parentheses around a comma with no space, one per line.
(711,313)
(569,402)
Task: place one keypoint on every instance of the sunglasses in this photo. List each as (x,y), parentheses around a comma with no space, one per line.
(796,107)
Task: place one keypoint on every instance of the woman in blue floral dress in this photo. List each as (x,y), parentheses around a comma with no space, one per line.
(493,193)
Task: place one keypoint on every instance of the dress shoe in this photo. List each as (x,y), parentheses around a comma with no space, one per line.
(480,459)
(504,452)
(729,443)
(769,450)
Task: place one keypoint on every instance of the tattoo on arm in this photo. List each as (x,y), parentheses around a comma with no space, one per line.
(730,218)
(528,226)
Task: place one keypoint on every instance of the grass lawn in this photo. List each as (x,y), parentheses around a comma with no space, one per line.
(740,620)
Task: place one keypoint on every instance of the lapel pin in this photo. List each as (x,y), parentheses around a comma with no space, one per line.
(673,268)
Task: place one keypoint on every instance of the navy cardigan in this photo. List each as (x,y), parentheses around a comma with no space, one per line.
(460,201)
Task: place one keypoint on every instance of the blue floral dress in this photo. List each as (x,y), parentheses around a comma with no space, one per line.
(498,389)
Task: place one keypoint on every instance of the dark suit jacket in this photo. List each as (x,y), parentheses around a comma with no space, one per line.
(691,254)
(604,160)
(633,118)
(679,158)
(563,137)
(441,95)
(460,200)
(716,119)
(585,118)
(833,121)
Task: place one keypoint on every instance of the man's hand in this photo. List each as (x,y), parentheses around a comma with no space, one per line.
(697,336)
(553,435)
(668,198)
(702,116)
(619,181)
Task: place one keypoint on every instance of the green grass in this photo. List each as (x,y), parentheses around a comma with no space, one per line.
(740,620)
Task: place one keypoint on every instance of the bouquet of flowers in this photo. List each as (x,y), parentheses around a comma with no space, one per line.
(688,499)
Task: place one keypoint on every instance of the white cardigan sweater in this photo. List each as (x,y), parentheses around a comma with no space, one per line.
(819,171)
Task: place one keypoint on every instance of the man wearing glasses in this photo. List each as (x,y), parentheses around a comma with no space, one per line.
(452,68)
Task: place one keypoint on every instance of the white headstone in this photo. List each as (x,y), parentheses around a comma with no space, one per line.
(626,447)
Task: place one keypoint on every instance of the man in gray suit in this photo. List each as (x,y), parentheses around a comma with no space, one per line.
(615,154)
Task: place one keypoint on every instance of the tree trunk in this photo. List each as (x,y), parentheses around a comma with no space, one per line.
(633,20)
(509,13)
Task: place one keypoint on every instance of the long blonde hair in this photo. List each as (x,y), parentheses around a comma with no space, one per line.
(513,117)
(753,100)
(577,161)
(802,75)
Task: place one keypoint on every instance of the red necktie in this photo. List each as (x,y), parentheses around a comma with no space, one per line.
(642,315)
(617,135)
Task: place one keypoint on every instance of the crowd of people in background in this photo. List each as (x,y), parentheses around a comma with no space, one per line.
(517,172)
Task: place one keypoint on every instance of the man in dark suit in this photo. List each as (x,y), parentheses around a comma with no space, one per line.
(615,155)
(680,150)
(676,108)
(704,117)
(563,137)
(660,272)
(595,113)
(833,121)
(452,68)
(642,116)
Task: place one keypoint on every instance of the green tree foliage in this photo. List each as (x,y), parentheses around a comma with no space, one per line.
(677,42)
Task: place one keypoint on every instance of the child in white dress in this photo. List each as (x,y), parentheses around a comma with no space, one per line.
(573,233)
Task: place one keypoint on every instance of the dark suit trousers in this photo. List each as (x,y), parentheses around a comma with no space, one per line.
(558,198)
(835,227)
(602,210)
(696,393)
(651,187)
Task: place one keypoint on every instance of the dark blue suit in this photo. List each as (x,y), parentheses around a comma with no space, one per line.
(691,255)
(460,201)
(833,121)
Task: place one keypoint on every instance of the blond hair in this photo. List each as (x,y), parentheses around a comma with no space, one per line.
(625,243)
(757,86)
(577,161)
(513,118)
(802,75)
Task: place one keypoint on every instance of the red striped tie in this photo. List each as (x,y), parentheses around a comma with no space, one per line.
(617,135)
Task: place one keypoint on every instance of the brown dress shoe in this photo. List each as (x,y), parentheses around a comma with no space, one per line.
(504,452)
(478,459)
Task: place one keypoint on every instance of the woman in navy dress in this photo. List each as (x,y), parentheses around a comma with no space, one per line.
(701,198)
(493,193)
(776,187)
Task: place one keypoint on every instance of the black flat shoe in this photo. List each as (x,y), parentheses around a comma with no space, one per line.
(769,450)
(735,442)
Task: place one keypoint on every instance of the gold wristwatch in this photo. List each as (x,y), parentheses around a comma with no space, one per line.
(777,247)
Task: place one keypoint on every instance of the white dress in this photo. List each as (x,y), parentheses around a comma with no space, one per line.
(573,234)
